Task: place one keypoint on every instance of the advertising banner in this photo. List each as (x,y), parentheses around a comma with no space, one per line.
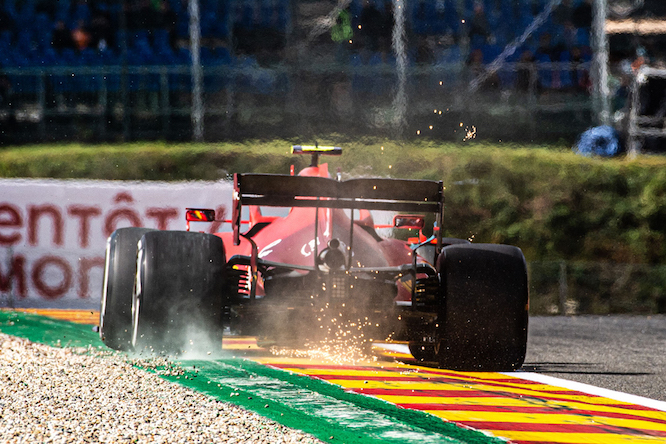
(53,232)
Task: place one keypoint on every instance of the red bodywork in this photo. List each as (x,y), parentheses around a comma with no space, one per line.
(291,240)
(291,278)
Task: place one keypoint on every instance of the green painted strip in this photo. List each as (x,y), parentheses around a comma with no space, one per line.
(317,407)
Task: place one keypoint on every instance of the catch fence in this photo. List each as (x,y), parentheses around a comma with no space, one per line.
(568,288)
(519,101)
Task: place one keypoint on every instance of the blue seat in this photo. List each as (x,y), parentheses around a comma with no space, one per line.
(245,16)
(25,14)
(138,36)
(68,57)
(24,40)
(6,38)
(47,57)
(284,18)
(161,39)
(490,52)
(109,58)
(182,26)
(565,72)
(583,37)
(89,57)
(184,56)
(81,12)
(62,10)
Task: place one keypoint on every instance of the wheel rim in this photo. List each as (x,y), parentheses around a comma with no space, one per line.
(136,300)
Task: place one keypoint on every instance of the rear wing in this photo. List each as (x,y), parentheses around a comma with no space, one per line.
(280,190)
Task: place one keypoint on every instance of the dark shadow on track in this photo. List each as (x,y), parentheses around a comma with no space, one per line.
(575,368)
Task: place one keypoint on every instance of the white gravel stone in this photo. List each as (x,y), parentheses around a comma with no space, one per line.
(64,395)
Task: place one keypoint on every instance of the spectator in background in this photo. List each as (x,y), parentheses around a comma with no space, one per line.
(47,7)
(477,69)
(62,37)
(138,14)
(386,29)
(159,15)
(425,50)
(6,21)
(101,31)
(548,49)
(81,36)
(371,26)
(168,17)
(581,16)
(563,13)
(479,29)
(580,77)
(342,31)
(526,77)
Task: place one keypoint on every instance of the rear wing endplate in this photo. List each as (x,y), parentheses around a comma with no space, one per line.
(280,190)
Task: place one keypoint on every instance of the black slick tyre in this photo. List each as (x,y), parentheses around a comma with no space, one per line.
(115,324)
(483,313)
(178,299)
(423,352)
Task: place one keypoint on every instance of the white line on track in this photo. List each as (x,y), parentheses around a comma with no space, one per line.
(563,383)
(590,389)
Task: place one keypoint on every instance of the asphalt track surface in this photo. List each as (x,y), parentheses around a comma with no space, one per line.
(622,353)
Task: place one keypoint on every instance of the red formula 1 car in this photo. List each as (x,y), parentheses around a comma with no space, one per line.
(321,272)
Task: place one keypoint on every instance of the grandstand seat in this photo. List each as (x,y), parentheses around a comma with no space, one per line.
(89,57)
(47,57)
(283,18)
(6,38)
(565,72)
(161,39)
(25,14)
(182,25)
(24,40)
(176,6)
(81,12)
(223,56)
(165,56)
(524,20)
(19,58)
(68,57)
(138,35)
(208,21)
(206,56)
(245,16)
(62,10)
(490,52)
(583,37)
(10,8)
(183,56)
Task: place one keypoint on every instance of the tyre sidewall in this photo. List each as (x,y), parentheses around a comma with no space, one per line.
(483,307)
